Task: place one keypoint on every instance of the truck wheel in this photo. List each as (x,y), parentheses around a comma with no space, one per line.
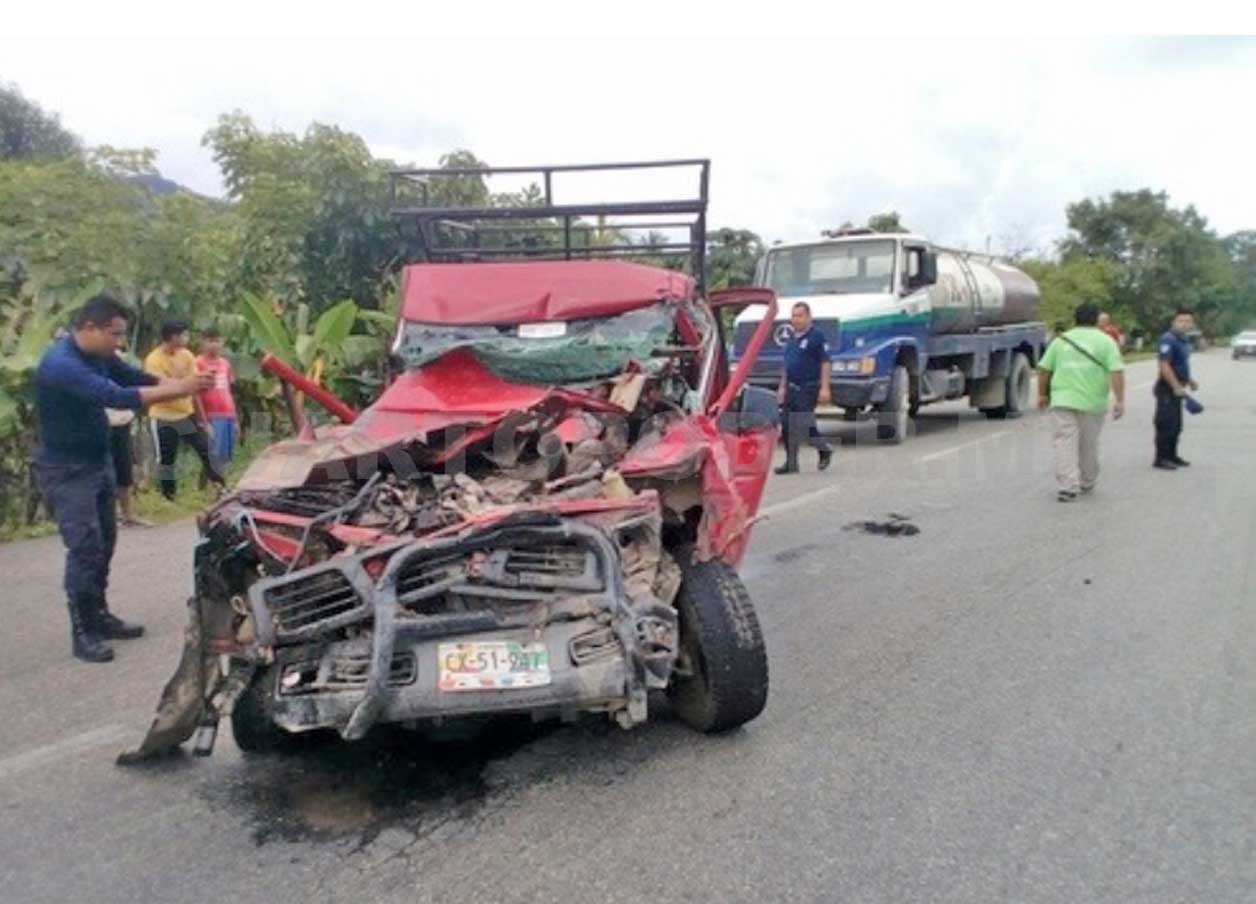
(1017,391)
(251,723)
(722,676)
(892,418)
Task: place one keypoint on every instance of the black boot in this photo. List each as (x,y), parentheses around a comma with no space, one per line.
(109,626)
(826,459)
(86,642)
(114,628)
(790,466)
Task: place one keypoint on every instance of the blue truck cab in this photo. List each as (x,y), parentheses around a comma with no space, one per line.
(907,324)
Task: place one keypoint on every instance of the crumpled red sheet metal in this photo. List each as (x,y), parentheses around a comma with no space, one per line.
(732,472)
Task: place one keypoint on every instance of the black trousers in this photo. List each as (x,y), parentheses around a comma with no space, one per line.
(120,451)
(169,436)
(81,499)
(798,419)
(1168,423)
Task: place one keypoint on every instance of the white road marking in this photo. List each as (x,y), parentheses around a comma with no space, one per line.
(950,450)
(786,504)
(41,756)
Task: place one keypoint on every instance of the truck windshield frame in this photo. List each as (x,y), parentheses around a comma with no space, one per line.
(833,268)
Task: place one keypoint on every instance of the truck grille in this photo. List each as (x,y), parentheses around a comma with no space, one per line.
(345,672)
(310,600)
(549,566)
(419,578)
(353,671)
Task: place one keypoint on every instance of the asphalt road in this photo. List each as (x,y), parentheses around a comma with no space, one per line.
(1025,701)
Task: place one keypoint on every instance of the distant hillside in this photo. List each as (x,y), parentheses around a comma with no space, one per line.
(158,184)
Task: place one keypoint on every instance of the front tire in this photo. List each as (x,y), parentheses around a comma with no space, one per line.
(892,419)
(722,675)
(252,723)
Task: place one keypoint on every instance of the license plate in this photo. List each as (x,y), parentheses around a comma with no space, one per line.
(492,665)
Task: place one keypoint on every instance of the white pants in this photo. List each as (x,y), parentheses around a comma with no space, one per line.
(1075,437)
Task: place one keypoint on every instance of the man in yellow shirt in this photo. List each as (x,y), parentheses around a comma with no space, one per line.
(178,420)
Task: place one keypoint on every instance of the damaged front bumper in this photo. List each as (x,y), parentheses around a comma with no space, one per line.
(357,640)
(556,583)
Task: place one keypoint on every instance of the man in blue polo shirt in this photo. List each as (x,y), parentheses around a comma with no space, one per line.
(805,381)
(1171,388)
(78,378)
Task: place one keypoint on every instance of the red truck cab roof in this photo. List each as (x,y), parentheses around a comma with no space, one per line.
(531,292)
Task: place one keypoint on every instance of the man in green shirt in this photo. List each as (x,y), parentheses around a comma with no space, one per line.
(1074,377)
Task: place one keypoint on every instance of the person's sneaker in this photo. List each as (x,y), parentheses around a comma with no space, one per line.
(785,469)
(1086,491)
(1180,462)
(1065,496)
(1164,465)
(135,521)
(826,459)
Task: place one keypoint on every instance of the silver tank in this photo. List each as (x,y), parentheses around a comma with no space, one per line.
(974,290)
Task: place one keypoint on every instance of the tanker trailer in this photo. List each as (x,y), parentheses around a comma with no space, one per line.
(907,324)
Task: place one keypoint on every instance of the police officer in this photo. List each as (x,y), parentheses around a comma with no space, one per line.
(1175,380)
(78,378)
(804,382)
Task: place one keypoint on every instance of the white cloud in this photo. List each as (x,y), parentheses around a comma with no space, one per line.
(967,139)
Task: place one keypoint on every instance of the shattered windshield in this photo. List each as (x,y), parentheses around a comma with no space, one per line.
(550,352)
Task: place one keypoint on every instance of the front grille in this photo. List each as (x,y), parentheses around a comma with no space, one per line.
(353,671)
(600,643)
(341,673)
(419,578)
(310,600)
(546,564)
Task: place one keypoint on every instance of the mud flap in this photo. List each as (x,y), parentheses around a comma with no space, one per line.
(182,708)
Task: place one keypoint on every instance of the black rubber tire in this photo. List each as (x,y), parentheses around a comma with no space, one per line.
(720,635)
(1018,384)
(252,725)
(893,417)
(1013,406)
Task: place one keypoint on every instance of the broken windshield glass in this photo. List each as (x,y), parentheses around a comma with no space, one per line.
(553,352)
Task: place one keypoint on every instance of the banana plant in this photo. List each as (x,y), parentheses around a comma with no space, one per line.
(328,352)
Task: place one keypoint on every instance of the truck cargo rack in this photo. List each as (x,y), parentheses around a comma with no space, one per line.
(531,226)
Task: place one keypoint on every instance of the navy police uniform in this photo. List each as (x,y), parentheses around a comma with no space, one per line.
(1168,420)
(76,474)
(804,357)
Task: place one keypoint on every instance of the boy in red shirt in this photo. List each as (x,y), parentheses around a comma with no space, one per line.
(218,403)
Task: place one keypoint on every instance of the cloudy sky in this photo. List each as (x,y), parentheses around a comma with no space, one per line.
(971,140)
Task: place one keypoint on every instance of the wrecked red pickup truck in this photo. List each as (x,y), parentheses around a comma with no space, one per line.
(541,514)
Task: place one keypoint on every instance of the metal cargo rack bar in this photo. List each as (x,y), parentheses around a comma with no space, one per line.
(550,231)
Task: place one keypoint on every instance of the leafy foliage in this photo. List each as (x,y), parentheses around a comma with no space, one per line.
(28,133)
(886,222)
(1162,258)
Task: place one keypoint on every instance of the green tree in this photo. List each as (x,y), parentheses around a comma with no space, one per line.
(1165,257)
(1241,248)
(731,257)
(28,133)
(315,225)
(886,222)
(1072,282)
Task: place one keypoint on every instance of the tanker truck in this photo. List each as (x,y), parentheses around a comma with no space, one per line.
(907,324)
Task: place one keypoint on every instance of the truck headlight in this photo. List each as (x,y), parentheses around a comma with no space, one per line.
(867,366)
